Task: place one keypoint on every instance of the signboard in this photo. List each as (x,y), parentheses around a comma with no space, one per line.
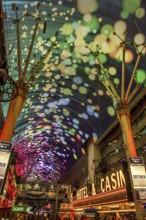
(114,180)
(138,176)
(5,150)
(138,172)
(19,209)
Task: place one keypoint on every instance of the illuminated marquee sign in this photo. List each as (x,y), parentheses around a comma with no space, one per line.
(110,196)
(111,182)
(114,181)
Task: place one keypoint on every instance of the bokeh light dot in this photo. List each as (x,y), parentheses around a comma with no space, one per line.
(77,80)
(102,58)
(81,31)
(111,111)
(140,76)
(116,81)
(66,91)
(75,126)
(140,13)
(53,39)
(87,17)
(120,27)
(89,101)
(82,90)
(124,14)
(93,24)
(84,116)
(92,77)
(112,71)
(139,39)
(87,6)
(96,114)
(75,156)
(129,56)
(67,29)
(107,29)
(74,87)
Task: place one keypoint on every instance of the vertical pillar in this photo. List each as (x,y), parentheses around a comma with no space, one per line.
(124,119)
(130,148)
(93,155)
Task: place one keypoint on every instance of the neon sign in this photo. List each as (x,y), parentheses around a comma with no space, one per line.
(114,181)
(111,182)
(19,209)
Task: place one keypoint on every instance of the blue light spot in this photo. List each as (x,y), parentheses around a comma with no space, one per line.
(85,116)
(90,110)
(96,114)
(76,121)
(77,80)
(64,101)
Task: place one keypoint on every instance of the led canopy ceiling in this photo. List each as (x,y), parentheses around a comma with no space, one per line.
(67,103)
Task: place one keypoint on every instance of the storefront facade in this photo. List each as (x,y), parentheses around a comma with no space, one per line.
(111,200)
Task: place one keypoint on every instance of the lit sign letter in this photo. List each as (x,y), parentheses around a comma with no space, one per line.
(18,209)
(113,181)
(93,189)
(108,186)
(118,179)
(102,187)
(122,178)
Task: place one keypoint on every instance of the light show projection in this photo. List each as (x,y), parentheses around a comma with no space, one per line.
(67,102)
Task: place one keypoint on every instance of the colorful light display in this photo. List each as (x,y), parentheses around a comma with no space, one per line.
(67,104)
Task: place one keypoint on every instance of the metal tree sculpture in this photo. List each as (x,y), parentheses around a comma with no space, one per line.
(25,77)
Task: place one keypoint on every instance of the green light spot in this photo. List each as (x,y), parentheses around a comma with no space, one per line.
(72,131)
(67,29)
(102,58)
(141,77)
(66,91)
(87,70)
(131,6)
(93,24)
(91,57)
(124,14)
(107,29)
(75,156)
(53,39)
(111,111)
(82,90)
(64,46)
(66,112)
(116,81)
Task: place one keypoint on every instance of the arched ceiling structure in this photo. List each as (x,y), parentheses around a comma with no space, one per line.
(67,103)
